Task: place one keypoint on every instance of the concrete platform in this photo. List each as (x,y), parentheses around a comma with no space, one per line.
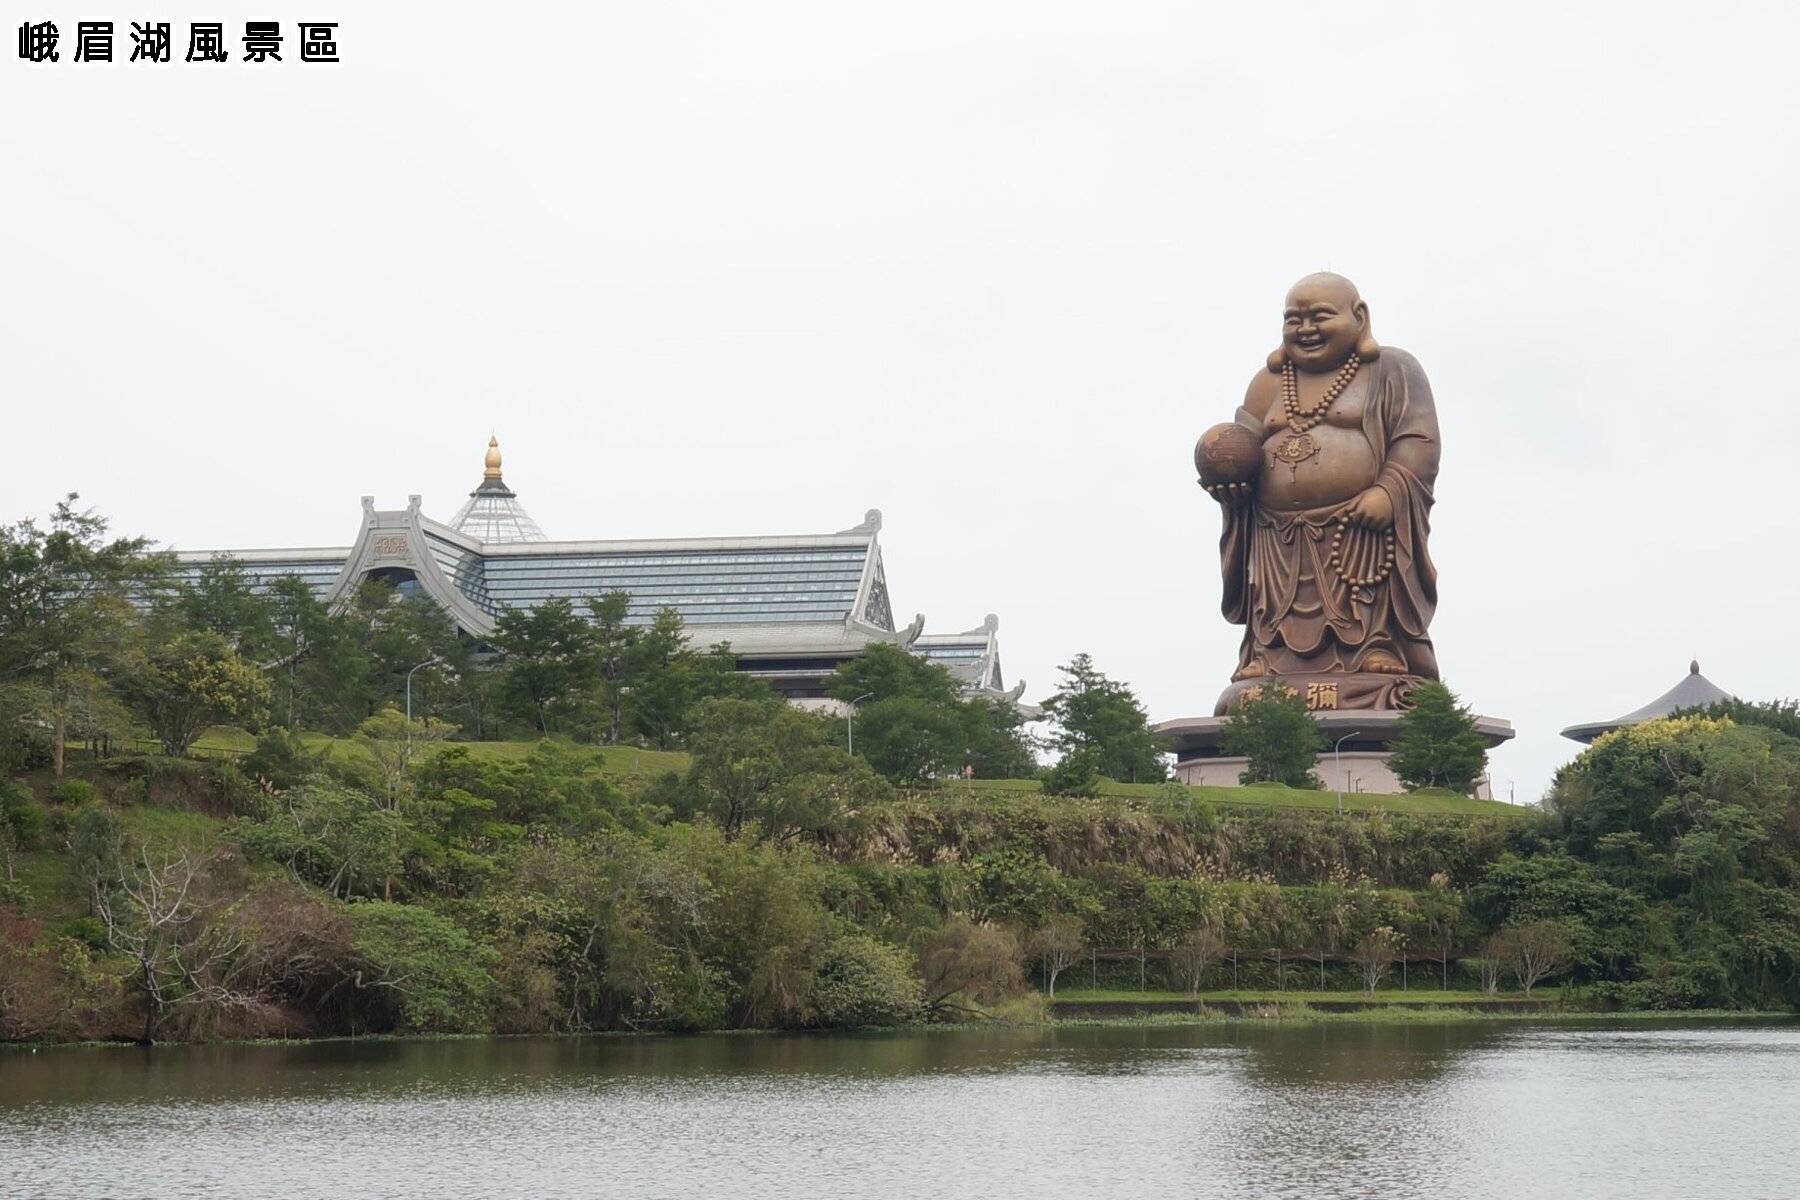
(1361,765)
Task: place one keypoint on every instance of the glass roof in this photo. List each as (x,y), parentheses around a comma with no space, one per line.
(495,517)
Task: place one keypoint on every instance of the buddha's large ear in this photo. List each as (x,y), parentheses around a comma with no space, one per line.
(1278,359)
(1366,346)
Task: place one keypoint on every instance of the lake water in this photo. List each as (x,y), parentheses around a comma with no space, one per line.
(1482,1109)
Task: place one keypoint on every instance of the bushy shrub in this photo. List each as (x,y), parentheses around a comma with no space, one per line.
(965,965)
(1077,773)
(864,981)
(72,792)
(95,843)
(53,989)
(22,821)
(87,930)
(281,758)
(24,743)
(1673,988)
(431,975)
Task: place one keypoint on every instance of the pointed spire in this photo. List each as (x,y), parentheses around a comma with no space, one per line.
(493,513)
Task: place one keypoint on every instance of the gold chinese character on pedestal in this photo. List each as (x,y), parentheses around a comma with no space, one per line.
(1321,695)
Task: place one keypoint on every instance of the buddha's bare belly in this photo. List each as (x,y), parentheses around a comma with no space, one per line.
(1343,468)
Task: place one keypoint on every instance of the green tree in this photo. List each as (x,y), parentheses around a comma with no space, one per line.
(549,669)
(885,672)
(910,739)
(1782,716)
(96,843)
(661,691)
(669,679)
(406,632)
(998,747)
(920,724)
(1077,773)
(220,599)
(188,681)
(1438,744)
(426,973)
(66,620)
(765,761)
(321,674)
(1271,728)
(282,759)
(1091,710)
(615,658)
(335,837)
(396,745)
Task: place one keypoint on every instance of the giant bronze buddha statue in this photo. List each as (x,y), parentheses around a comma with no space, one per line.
(1325,481)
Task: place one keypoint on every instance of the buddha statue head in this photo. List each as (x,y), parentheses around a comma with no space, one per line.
(1323,321)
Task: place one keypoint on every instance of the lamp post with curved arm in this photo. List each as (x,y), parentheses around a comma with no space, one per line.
(850,723)
(1337,759)
(434,658)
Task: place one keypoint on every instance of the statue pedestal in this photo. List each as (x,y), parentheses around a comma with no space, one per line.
(1360,764)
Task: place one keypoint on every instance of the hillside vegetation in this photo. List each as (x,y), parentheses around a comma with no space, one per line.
(627,763)
(424,835)
(538,889)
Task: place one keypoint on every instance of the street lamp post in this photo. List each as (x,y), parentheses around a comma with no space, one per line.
(1337,768)
(409,675)
(850,723)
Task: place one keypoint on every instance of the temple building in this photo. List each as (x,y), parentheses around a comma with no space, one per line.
(791,608)
(1694,691)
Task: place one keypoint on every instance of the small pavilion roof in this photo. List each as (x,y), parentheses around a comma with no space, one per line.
(1694,691)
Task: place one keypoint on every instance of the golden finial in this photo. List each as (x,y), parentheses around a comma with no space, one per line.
(493,459)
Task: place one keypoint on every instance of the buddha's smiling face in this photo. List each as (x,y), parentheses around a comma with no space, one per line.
(1321,322)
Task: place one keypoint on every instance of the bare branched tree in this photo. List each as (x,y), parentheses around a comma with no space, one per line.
(1195,954)
(1492,967)
(158,915)
(1374,954)
(1534,952)
(1056,944)
(396,744)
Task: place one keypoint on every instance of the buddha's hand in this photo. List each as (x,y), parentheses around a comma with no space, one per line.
(1374,509)
(1231,495)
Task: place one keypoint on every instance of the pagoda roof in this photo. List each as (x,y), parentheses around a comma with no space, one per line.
(1694,691)
(792,604)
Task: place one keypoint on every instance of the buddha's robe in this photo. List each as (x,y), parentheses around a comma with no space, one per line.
(1300,617)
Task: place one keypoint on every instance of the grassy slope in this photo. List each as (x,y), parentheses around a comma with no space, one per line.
(628,762)
(622,762)
(1271,796)
(57,893)
(1068,995)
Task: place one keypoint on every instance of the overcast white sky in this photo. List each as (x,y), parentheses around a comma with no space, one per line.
(735,269)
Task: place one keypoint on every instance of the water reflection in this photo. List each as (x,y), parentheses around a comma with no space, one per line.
(1329,1110)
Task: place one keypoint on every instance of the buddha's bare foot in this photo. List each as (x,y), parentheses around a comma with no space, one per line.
(1255,670)
(1383,663)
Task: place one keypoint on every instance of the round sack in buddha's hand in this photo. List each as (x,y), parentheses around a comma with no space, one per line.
(1228,454)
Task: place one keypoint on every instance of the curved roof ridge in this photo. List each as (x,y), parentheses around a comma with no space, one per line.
(1694,691)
